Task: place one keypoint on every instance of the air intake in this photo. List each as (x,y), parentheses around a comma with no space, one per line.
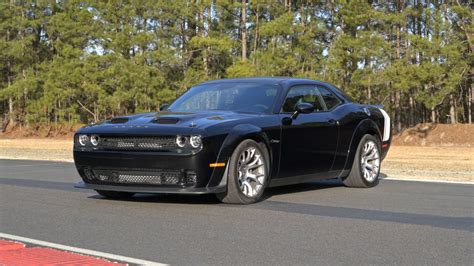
(166,120)
(119,120)
(141,177)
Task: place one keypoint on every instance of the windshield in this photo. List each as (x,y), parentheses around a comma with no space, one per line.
(238,97)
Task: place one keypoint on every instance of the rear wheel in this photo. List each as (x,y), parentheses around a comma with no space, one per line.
(366,166)
(248,173)
(115,194)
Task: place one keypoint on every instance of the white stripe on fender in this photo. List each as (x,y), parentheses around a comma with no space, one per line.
(80,250)
(386,125)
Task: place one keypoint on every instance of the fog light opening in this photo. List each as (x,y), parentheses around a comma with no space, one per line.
(191,178)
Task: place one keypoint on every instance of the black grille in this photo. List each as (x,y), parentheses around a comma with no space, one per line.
(137,143)
(140,177)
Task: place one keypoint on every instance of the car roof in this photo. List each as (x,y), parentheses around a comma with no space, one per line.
(285,82)
(268,80)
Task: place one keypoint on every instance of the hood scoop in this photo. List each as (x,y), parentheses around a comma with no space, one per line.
(119,120)
(166,120)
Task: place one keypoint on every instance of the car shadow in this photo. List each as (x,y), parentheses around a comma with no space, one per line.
(208,199)
(302,187)
(382,176)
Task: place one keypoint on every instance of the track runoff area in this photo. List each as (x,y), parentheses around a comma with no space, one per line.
(17,250)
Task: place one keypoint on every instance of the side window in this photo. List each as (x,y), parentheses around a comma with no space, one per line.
(300,94)
(329,98)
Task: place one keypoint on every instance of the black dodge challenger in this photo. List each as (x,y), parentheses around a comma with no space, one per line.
(234,138)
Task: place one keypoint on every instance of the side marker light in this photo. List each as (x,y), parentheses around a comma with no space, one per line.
(216,164)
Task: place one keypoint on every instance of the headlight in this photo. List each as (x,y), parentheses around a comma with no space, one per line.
(195,141)
(95,140)
(181,141)
(83,139)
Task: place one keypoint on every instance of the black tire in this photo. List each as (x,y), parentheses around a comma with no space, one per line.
(356,176)
(234,195)
(115,194)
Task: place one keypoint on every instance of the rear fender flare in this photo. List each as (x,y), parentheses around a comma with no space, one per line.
(366,126)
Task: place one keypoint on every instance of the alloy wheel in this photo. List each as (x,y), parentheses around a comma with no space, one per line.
(370,161)
(251,172)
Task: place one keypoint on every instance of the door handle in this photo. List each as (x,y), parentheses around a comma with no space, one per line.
(333,122)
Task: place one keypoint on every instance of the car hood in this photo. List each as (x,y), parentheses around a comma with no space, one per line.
(164,122)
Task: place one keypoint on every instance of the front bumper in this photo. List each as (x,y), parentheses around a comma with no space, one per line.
(150,172)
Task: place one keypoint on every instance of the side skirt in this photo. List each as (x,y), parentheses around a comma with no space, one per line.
(302,179)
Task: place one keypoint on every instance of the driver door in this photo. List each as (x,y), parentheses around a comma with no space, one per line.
(308,142)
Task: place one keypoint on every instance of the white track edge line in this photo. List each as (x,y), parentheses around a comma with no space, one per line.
(80,250)
(430,181)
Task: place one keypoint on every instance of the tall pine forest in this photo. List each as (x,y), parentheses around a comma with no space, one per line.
(79,61)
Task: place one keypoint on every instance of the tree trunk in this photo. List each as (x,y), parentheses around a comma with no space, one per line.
(288,5)
(10,110)
(243,31)
(423,111)
(399,10)
(255,40)
(452,110)
(469,102)
(205,60)
(9,81)
(398,111)
(369,94)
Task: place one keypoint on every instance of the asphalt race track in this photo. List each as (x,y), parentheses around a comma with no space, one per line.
(398,222)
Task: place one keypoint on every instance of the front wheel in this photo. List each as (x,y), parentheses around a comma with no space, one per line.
(366,166)
(115,194)
(247,174)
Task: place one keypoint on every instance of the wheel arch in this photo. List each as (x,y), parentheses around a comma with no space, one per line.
(238,134)
(235,136)
(366,126)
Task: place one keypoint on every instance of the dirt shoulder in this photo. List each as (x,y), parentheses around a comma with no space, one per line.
(402,162)
(36,149)
(436,135)
(430,163)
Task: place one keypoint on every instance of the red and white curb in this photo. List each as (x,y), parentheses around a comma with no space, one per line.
(17,250)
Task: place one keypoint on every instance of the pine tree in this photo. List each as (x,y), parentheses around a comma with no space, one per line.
(81,61)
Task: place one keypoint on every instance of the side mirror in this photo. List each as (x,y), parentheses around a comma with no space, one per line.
(302,108)
(164,106)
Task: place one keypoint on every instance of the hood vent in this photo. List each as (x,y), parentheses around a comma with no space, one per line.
(119,120)
(166,120)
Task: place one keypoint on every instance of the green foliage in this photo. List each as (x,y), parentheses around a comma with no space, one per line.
(83,60)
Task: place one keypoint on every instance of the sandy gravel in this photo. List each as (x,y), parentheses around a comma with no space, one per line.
(402,162)
(36,149)
(433,163)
